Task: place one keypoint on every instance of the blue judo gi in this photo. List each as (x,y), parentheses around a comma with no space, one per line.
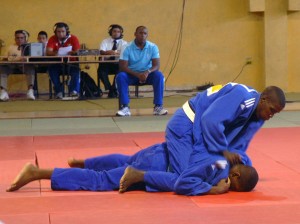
(215,120)
(103,173)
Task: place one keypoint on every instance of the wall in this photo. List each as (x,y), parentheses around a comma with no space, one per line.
(217,35)
(293,52)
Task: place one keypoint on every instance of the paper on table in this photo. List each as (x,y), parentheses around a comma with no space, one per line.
(62,51)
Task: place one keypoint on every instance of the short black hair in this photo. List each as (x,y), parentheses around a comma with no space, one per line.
(278,92)
(139,27)
(23,32)
(43,33)
(61,25)
(248,178)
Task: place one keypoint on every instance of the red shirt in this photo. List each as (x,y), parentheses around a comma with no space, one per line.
(71,40)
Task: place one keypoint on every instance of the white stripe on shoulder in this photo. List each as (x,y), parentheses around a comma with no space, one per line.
(247,88)
(248,103)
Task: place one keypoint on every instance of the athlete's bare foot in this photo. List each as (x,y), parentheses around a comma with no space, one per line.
(78,163)
(24,177)
(130,177)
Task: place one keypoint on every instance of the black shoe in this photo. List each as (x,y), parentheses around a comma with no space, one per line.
(112,94)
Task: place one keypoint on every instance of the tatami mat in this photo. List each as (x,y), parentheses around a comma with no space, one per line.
(88,125)
(276,199)
(96,125)
(39,218)
(50,132)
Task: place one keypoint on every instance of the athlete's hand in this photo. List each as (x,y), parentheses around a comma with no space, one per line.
(232,158)
(221,188)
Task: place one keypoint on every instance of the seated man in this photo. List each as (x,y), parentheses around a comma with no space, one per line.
(111,46)
(210,174)
(14,54)
(139,64)
(43,38)
(62,43)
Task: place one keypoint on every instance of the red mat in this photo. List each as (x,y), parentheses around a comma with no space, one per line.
(275,154)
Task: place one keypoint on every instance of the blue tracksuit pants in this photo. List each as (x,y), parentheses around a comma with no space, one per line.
(156,79)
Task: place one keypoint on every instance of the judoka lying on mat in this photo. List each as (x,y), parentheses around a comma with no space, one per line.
(207,173)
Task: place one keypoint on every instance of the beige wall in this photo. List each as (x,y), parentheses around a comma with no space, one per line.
(293,76)
(218,36)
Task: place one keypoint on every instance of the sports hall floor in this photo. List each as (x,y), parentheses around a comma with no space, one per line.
(48,132)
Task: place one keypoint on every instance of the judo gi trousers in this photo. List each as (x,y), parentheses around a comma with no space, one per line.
(103,173)
(179,138)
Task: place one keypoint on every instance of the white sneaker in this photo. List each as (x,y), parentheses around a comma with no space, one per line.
(4,95)
(59,96)
(30,94)
(124,112)
(159,110)
(74,95)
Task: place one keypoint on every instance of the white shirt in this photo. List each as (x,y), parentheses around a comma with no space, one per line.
(108,43)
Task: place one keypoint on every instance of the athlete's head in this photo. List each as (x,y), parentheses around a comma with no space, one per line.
(272,101)
(242,178)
